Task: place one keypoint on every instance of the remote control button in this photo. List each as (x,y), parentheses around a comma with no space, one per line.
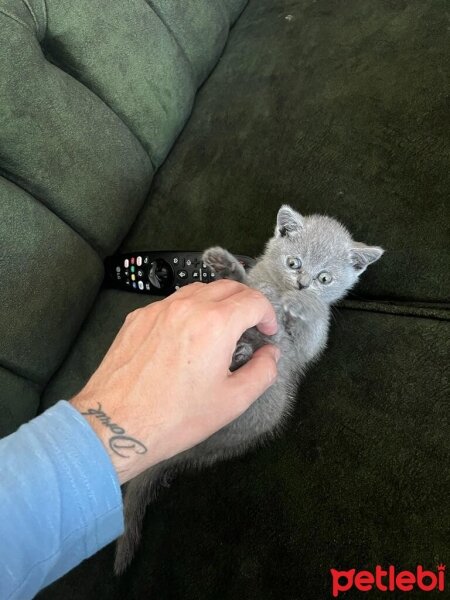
(146,260)
(118,269)
(140,273)
(126,263)
(182,274)
(133,277)
(188,262)
(175,260)
(139,261)
(212,275)
(132,269)
(127,272)
(204,275)
(132,260)
(177,287)
(141,285)
(196,275)
(128,282)
(134,284)
(147,286)
(160,274)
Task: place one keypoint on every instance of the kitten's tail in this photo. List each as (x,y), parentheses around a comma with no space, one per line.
(139,493)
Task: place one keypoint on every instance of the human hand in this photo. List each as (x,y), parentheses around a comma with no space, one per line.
(165,385)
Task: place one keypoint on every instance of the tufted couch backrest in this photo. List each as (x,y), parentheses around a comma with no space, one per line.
(93,94)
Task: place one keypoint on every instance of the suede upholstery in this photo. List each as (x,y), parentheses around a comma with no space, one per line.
(333,107)
(92,96)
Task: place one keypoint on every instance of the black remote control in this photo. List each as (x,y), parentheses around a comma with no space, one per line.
(160,273)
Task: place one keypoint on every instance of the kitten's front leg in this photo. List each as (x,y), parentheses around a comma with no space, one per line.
(224,264)
(301,306)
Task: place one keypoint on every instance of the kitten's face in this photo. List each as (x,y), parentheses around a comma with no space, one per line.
(317,253)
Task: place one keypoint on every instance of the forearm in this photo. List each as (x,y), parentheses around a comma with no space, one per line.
(60,500)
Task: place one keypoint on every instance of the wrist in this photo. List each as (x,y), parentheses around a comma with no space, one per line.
(125,451)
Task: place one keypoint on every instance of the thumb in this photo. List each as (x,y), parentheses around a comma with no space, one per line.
(254,378)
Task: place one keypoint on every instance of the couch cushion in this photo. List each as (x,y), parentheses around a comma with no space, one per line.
(61,142)
(338,109)
(355,480)
(50,277)
(145,60)
(19,401)
(186,22)
(126,55)
(92,96)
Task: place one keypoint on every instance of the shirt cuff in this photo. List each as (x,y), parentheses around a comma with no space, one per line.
(60,498)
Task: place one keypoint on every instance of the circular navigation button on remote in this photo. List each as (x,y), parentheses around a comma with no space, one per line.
(160,274)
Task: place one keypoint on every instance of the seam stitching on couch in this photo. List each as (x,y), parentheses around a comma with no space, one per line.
(403,310)
(6,175)
(15,371)
(14,18)
(31,13)
(224,11)
(44,7)
(173,36)
(103,101)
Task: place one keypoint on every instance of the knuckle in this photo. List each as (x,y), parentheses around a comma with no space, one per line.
(256,294)
(185,289)
(257,298)
(132,316)
(179,307)
(227,284)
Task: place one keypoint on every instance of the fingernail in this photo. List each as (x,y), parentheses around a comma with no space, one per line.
(277,353)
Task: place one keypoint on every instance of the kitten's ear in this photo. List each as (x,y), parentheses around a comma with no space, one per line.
(288,221)
(361,256)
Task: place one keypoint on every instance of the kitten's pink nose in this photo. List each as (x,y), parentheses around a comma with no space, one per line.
(304,280)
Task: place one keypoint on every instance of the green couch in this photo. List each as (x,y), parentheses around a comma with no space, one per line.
(113,137)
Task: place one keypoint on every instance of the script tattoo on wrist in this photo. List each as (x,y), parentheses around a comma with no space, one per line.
(120,443)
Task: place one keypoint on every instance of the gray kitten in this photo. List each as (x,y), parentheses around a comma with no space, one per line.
(310,263)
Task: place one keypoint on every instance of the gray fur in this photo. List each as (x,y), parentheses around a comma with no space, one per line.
(302,304)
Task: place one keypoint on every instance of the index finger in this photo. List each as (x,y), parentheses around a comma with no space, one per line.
(250,308)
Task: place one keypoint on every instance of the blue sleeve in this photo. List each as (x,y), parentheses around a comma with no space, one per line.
(60,500)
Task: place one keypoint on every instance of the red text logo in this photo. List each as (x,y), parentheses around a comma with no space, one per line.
(388,580)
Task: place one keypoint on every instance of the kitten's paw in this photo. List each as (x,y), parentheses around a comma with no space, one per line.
(292,312)
(242,354)
(224,264)
(218,258)
(293,309)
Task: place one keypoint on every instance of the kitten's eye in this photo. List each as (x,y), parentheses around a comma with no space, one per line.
(324,277)
(293,262)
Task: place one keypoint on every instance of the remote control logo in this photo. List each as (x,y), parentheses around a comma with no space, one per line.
(388,580)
